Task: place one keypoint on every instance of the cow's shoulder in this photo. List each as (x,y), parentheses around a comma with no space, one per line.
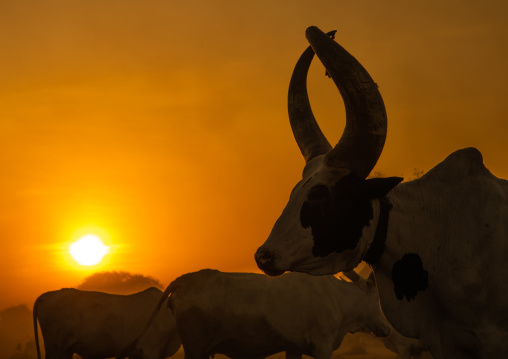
(462,172)
(461,163)
(456,185)
(151,292)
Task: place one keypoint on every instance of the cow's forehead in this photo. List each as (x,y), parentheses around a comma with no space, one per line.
(312,167)
(318,173)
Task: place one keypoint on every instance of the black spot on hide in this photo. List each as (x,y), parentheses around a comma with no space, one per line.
(336,215)
(409,277)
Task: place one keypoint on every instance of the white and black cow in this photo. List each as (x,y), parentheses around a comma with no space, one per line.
(98,325)
(438,245)
(248,315)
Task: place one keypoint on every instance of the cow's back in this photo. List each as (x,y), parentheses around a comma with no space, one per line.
(445,259)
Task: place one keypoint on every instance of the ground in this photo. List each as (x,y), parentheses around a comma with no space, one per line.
(354,346)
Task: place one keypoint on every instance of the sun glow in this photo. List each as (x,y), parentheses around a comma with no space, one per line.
(88,250)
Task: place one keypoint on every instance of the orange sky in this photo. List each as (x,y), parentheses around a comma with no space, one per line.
(162,125)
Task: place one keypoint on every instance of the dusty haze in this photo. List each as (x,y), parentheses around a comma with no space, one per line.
(162,125)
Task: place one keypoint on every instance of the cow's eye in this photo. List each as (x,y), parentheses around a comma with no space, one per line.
(318,193)
(306,215)
(315,208)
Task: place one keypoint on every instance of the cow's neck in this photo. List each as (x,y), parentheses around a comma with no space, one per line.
(359,306)
(352,309)
(368,243)
(377,243)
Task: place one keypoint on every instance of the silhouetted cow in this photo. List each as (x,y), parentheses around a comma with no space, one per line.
(98,325)
(248,315)
(438,245)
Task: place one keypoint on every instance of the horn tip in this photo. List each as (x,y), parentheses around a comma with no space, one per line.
(312,30)
(315,32)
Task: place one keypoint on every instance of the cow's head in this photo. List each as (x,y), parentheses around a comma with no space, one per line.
(319,230)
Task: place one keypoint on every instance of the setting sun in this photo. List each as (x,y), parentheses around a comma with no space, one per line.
(88,250)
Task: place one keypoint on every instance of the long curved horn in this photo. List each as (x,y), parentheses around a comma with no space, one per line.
(364,135)
(307,133)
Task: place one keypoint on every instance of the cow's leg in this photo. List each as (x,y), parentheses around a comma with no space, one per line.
(195,356)
(52,353)
(458,343)
(322,352)
(405,354)
(293,355)
(195,353)
(172,345)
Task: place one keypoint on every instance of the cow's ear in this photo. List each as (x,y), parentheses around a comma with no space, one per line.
(379,187)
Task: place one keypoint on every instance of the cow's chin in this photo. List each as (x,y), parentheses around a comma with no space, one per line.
(331,264)
(273,273)
(316,270)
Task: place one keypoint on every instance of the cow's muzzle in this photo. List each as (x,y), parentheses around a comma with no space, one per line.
(265,259)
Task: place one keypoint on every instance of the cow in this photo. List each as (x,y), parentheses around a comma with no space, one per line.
(98,325)
(252,315)
(437,245)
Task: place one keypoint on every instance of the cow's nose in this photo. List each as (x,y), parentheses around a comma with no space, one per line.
(263,256)
(265,261)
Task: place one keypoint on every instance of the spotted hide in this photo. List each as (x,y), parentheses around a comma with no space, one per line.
(438,245)
(97,325)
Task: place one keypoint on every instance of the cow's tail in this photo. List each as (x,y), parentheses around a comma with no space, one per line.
(127,350)
(36,331)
